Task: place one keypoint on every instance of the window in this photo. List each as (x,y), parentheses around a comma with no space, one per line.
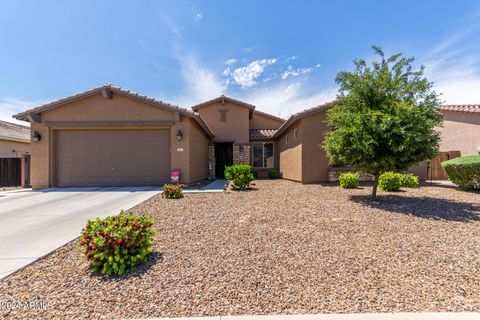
(295,134)
(262,155)
(223,116)
(286,139)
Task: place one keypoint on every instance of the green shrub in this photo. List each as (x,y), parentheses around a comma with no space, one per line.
(172,191)
(349,180)
(241,175)
(390,181)
(116,244)
(272,174)
(410,180)
(464,172)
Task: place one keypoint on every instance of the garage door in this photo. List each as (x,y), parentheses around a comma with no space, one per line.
(112,157)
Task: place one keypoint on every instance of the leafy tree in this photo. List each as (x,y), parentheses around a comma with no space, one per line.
(384,117)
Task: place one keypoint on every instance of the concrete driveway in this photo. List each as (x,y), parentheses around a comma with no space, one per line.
(34,223)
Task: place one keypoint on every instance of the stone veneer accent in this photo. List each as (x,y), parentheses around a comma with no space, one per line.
(241,156)
(335,172)
(211,160)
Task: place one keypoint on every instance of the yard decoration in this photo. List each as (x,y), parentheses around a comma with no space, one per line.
(349,180)
(241,176)
(116,244)
(464,172)
(384,117)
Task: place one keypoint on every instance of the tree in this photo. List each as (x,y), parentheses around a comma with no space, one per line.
(384,117)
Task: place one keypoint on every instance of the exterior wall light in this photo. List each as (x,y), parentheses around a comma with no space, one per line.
(179,135)
(36,136)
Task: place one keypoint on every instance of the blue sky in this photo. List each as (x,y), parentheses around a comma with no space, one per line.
(279,55)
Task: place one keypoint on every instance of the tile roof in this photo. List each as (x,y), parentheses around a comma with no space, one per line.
(12,131)
(118,90)
(271,116)
(259,134)
(471,108)
(223,98)
(302,114)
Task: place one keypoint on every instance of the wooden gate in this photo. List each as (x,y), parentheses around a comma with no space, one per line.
(10,172)
(435,170)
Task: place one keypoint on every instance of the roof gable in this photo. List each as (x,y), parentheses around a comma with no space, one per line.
(107,90)
(302,114)
(223,100)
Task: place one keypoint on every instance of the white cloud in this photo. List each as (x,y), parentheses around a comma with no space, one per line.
(454,68)
(245,76)
(229,62)
(291,72)
(285,99)
(200,83)
(198,16)
(11,106)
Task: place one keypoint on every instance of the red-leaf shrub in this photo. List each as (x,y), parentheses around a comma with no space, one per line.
(116,244)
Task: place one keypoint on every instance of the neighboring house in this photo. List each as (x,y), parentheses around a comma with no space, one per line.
(14,140)
(461,129)
(112,136)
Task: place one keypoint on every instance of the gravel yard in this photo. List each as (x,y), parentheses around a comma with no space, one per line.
(284,248)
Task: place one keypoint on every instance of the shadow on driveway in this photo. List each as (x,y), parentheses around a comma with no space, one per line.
(423,207)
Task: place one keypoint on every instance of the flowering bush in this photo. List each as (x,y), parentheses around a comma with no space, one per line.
(349,180)
(116,244)
(173,191)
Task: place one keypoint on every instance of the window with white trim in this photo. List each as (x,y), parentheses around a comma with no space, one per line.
(262,155)
(286,139)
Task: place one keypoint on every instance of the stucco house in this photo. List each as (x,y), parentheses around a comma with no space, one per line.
(461,129)
(14,140)
(113,136)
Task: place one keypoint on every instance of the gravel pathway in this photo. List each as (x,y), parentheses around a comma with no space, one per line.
(284,248)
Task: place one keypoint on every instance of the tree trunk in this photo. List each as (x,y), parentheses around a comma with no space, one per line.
(375,185)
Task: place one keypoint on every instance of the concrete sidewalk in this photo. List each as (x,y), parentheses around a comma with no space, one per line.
(352,316)
(218,185)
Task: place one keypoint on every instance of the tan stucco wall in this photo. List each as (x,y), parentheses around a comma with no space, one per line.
(13,149)
(290,165)
(97,108)
(460,131)
(259,121)
(235,129)
(315,162)
(198,153)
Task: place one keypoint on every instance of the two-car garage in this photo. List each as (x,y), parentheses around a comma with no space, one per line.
(111,157)
(109,136)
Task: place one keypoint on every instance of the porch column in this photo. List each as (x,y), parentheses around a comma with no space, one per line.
(211,160)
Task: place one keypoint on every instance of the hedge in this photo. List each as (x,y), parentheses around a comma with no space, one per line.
(464,172)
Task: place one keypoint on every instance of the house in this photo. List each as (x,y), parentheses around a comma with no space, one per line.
(14,154)
(14,140)
(461,129)
(113,136)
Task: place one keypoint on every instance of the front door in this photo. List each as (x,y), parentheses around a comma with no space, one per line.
(223,157)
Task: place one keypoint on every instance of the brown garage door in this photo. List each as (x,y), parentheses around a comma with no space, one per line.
(112,157)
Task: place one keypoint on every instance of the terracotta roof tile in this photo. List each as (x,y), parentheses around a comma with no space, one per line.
(12,131)
(258,134)
(472,108)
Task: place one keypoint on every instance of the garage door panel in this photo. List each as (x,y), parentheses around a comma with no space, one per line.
(112,157)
